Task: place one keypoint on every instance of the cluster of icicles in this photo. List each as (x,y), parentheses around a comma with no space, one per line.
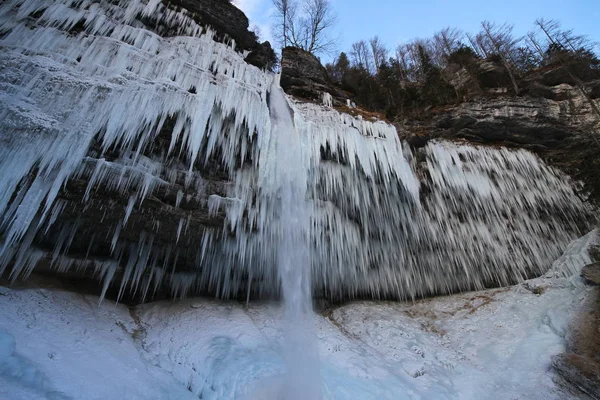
(86,88)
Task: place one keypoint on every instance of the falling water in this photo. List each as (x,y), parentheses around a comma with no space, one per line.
(290,223)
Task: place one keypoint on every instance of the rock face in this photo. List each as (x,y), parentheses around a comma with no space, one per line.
(579,371)
(222,16)
(533,123)
(263,57)
(557,123)
(303,76)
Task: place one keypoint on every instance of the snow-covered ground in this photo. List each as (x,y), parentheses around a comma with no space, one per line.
(493,344)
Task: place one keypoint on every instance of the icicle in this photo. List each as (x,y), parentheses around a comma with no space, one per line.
(108,270)
(128,209)
(179,230)
(115,238)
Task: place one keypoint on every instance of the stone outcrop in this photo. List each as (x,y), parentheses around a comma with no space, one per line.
(591,273)
(476,76)
(263,57)
(527,121)
(303,76)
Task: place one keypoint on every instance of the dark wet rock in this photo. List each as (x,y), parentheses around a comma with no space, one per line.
(580,372)
(263,57)
(417,142)
(591,273)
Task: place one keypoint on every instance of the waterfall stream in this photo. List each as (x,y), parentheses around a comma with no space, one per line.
(289,226)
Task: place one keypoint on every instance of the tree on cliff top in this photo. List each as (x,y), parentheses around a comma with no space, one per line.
(305,25)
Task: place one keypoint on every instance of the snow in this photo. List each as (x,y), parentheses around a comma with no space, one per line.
(488,344)
(68,346)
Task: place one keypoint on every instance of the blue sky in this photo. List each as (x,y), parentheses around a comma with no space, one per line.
(399,20)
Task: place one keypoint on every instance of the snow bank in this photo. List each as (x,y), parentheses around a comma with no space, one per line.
(495,343)
(69,347)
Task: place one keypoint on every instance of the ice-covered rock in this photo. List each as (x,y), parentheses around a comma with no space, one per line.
(327,100)
(146,160)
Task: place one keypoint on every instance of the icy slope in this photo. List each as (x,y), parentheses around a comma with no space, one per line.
(494,344)
(69,347)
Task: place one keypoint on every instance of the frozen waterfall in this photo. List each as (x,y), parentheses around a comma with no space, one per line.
(137,150)
(285,199)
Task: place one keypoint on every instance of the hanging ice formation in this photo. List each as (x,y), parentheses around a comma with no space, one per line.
(145,161)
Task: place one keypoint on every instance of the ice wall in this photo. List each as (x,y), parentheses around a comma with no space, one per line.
(116,115)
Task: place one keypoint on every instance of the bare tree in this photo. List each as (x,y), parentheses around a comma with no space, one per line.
(319,17)
(361,56)
(565,39)
(421,59)
(532,41)
(305,25)
(476,42)
(410,56)
(379,52)
(445,42)
(257,31)
(285,15)
(402,56)
(500,39)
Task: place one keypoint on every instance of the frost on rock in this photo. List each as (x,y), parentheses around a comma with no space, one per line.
(327,100)
(95,105)
(136,149)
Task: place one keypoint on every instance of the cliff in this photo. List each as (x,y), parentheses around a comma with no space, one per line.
(551,116)
(140,149)
(556,122)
